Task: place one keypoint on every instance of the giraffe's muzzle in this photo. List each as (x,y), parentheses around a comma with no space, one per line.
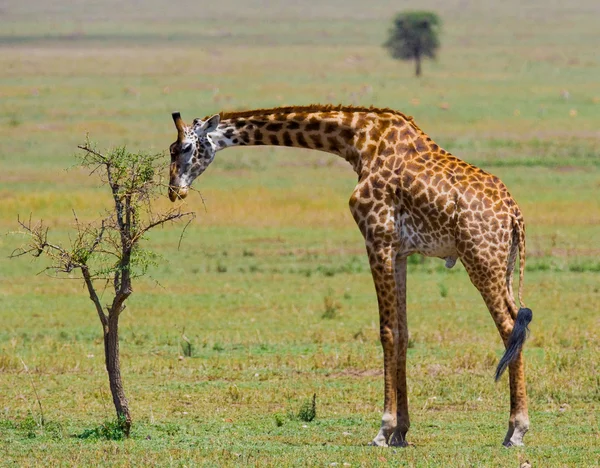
(177,193)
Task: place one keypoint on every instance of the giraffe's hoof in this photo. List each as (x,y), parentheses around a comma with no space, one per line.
(515,434)
(377,444)
(378,441)
(398,441)
(513,443)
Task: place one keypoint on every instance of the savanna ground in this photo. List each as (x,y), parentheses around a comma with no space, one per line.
(271,285)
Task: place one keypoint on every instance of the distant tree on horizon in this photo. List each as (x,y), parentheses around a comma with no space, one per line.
(415,35)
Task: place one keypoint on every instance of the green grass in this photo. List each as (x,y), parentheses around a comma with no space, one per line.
(271,287)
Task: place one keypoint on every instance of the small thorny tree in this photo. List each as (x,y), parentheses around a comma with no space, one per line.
(108,252)
(415,35)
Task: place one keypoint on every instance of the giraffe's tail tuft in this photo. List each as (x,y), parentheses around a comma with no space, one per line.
(515,340)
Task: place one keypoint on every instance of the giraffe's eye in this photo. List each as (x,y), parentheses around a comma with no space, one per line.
(186,147)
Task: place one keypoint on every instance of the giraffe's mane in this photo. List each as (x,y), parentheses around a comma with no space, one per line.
(313,108)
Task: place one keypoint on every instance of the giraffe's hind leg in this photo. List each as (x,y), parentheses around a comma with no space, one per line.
(491,283)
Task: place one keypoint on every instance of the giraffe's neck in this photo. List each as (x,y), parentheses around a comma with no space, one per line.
(351,133)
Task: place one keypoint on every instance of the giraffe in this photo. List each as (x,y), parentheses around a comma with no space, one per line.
(411,197)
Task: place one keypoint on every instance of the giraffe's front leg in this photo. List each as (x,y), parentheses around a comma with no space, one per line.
(398,438)
(382,267)
(378,226)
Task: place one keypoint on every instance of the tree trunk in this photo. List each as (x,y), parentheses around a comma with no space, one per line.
(417,65)
(113,367)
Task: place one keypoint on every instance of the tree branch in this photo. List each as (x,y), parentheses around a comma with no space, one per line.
(94,296)
(94,152)
(162,220)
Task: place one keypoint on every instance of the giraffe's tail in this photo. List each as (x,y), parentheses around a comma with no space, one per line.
(515,340)
(524,315)
(517,247)
(520,229)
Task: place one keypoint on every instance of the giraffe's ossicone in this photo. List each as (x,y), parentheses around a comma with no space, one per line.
(412,197)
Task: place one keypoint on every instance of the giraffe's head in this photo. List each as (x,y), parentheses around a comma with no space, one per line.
(191,154)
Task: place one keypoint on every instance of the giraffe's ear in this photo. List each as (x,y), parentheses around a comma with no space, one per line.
(210,125)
